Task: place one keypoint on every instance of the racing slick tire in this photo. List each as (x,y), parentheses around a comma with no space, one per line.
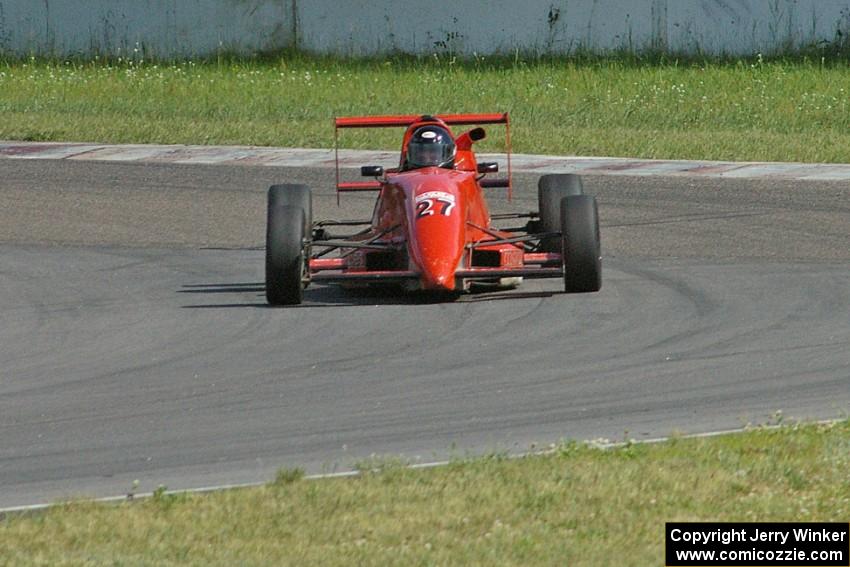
(285,255)
(294,195)
(582,255)
(551,189)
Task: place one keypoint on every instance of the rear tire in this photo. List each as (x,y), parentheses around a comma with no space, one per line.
(582,256)
(285,255)
(551,189)
(294,195)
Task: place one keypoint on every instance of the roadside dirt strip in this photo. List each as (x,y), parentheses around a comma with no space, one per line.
(286,157)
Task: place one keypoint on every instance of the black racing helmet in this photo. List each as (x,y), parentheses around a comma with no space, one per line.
(429,146)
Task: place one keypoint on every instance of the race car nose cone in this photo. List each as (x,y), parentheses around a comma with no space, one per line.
(438,276)
(437,229)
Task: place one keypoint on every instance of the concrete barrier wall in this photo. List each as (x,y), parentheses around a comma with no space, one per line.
(479,26)
(181,28)
(162,28)
(565,26)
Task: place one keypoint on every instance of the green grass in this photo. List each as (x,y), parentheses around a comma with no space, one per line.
(576,506)
(780,110)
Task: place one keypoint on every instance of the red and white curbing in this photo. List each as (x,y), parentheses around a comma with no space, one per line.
(295,157)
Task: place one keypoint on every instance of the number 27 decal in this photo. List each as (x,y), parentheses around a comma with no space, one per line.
(425,207)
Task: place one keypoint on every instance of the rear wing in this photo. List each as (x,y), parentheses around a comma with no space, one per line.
(408,119)
(405,120)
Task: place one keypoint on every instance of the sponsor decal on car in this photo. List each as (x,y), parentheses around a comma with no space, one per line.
(434,202)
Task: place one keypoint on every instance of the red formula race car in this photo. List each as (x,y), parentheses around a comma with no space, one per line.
(431,229)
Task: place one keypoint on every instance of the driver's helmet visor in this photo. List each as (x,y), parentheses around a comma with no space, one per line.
(423,155)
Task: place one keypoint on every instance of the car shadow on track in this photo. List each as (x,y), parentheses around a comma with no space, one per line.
(334,296)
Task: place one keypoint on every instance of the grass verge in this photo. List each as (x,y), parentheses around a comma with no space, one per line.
(781,110)
(576,506)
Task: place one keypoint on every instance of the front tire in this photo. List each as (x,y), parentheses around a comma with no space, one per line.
(285,255)
(581,251)
(551,190)
(293,195)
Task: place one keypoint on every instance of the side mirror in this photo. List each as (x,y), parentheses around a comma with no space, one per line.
(371,171)
(477,134)
(488,167)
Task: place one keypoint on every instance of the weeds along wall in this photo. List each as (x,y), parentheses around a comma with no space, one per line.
(191,28)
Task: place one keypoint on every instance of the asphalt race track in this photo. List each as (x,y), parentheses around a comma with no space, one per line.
(135,341)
